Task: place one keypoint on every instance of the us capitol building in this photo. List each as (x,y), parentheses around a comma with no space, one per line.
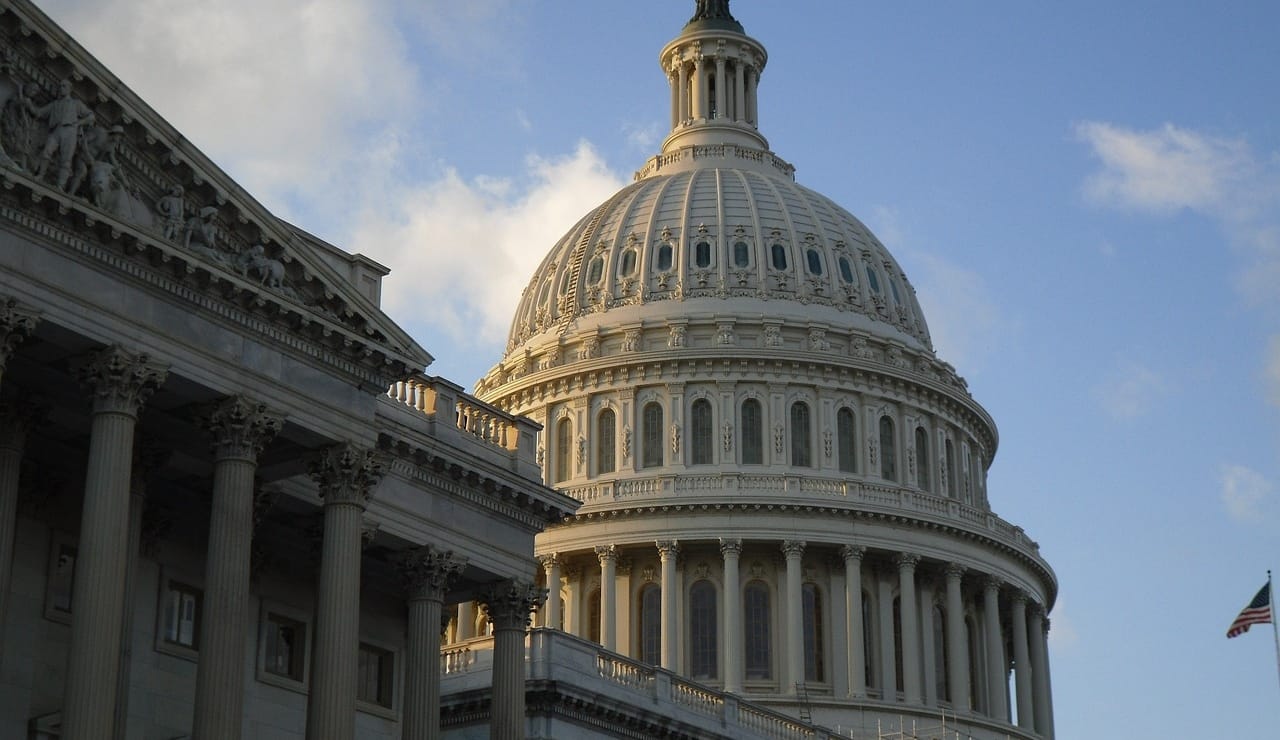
(719,485)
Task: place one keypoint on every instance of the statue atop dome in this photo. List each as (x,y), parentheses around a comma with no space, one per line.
(712,10)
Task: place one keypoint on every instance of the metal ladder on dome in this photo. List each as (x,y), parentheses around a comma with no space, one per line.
(802,696)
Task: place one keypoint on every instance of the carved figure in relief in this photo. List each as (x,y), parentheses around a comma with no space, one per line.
(93,146)
(202,235)
(172,211)
(772,336)
(14,116)
(677,338)
(63,116)
(675,439)
(255,263)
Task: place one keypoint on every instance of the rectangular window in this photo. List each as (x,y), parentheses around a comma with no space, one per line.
(181,619)
(284,646)
(62,575)
(374,676)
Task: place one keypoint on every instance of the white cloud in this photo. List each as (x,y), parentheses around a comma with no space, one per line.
(1062,629)
(1130,390)
(1246,493)
(463,250)
(965,323)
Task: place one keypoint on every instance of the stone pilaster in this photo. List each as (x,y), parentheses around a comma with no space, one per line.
(241,428)
(121,383)
(551,564)
(16,324)
(16,419)
(957,644)
(910,615)
(507,607)
(344,474)
(1042,698)
(608,556)
(667,552)
(732,608)
(997,699)
(793,551)
(857,660)
(428,573)
(1021,660)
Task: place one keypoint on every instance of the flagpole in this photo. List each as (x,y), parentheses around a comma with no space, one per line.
(1275,619)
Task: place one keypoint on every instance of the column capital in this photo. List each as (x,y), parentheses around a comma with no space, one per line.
(548,561)
(345,474)
(992,583)
(853,552)
(906,561)
(793,548)
(954,570)
(429,571)
(508,604)
(1036,610)
(241,428)
(16,324)
(606,553)
(1018,597)
(667,549)
(730,547)
(121,381)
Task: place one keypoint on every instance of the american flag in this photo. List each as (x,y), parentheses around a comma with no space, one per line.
(1257,612)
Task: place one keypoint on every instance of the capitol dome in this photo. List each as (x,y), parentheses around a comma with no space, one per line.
(784,489)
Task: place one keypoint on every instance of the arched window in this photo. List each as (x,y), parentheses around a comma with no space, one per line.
(814,670)
(846,442)
(968,480)
(650,621)
(606,424)
(545,293)
(593,615)
(922,458)
(846,270)
(701,433)
(627,266)
(752,433)
(801,449)
(893,288)
(595,270)
(872,280)
(741,254)
(952,489)
(897,643)
(813,261)
(563,451)
(778,254)
(755,613)
(702,254)
(566,280)
(703,657)
(942,679)
(869,673)
(651,447)
(888,450)
(664,258)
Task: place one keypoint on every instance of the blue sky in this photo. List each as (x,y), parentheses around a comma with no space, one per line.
(1086,197)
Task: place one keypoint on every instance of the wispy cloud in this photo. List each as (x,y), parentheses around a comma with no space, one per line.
(1062,630)
(1130,390)
(1246,493)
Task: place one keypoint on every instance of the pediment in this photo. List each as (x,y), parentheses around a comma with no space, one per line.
(136,187)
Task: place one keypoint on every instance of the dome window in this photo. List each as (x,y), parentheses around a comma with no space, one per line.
(664,258)
(702,254)
(846,441)
(563,451)
(565,281)
(741,254)
(596,270)
(651,446)
(922,458)
(846,270)
(702,438)
(801,448)
(752,433)
(893,288)
(606,423)
(778,254)
(628,266)
(546,292)
(814,261)
(873,280)
(888,450)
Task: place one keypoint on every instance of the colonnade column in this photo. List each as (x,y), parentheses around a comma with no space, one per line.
(722,90)
(551,564)
(1041,696)
(739,91)
(906,563)
(1021,660)
(16,420)
(753,80)
(466,621)
(997,696)
(852,555)
(888,666)
(673,80)
(957,645)
(241,428)
(794,551)
(507,607)
(608,555)
(121,382)
(699,88)
(667,551)
(683,73)
(428,573)
(731,607)
(345,474)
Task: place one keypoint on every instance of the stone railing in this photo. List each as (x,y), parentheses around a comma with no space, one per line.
(457,416)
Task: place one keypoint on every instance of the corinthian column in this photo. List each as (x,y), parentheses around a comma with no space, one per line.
(16,324)
(241,428)
(344,475)
(957,645)
(793,551)
(551,564)
(854,639)
(507,606)
(667,550)
(1043,685)
(16,420)
(732,608)
(121,382)
(910,627)
(997,703)
(608,556)
(1021,660)
(428,573)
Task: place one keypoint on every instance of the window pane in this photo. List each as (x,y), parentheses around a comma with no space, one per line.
(702,437)
(814,261)
(741,254)
(846,271)
(755,608)
(596,270)
(283,652)
(664,258)
(181,615)
(922,458)
(628,265)
(940,668)
(888,450)
(952,490)
(846,441)
(593,615)
(801,452)
(651,456)
(374,676)
(779,254)
(812,608)
(564,450)
(650,623)
(872,280)
(702,254)
(752,433)
(605,440)
(702,630)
